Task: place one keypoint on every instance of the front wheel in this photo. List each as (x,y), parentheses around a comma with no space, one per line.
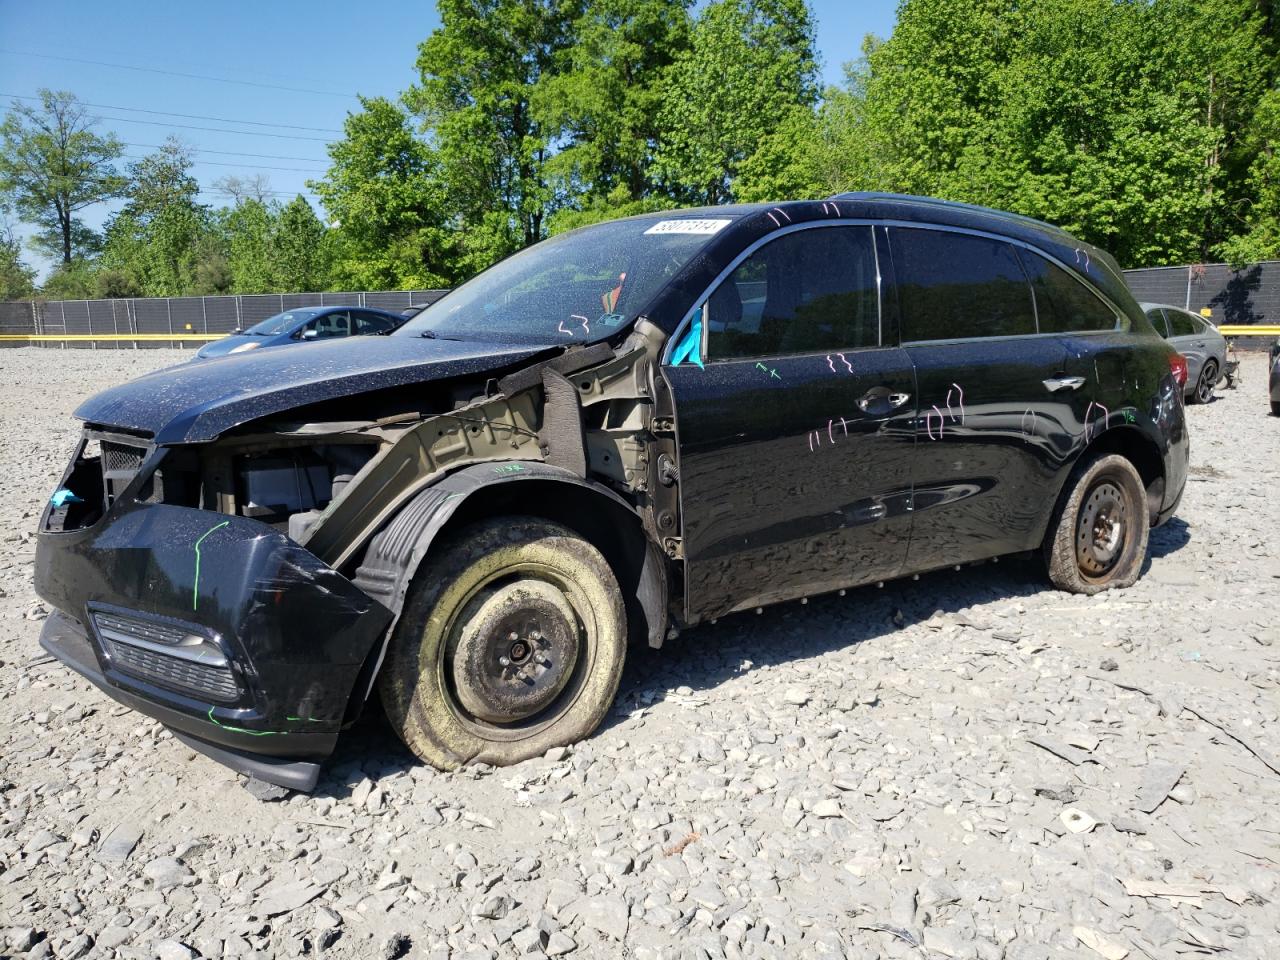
(1099,537)
(511,642)
(1204,386)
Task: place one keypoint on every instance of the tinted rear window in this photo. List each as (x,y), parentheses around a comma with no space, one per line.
(1181,324)
(954,286)
(1063,303)
(1156,316)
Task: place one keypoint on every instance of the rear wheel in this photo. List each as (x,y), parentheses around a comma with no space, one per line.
(511,642)
(1275,408)
(1099,537)
(1205,385)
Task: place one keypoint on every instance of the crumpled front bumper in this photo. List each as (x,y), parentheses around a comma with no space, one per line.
(241,641)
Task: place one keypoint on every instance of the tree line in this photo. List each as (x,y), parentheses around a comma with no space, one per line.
(1148,127)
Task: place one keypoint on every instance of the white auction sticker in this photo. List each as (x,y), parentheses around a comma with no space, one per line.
(688,226)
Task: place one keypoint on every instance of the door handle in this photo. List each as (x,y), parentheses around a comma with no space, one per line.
(1054,384)
(882,395)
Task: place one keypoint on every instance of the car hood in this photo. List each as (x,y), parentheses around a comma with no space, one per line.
(220,348)
(194,402)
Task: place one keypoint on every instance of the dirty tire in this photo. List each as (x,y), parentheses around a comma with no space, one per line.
(460,683)
(1099,492)
(1203,392)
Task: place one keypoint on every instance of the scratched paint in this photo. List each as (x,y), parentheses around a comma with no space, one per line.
(195,586)
(814,437)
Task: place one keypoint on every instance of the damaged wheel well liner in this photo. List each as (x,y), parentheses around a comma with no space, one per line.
(524,488)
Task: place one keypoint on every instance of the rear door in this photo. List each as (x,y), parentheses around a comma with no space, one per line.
(794,422)
(990,427)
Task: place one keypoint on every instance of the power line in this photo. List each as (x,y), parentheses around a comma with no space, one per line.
(175,73)
(228,153)
(186,116)
(255,166)
(243,133)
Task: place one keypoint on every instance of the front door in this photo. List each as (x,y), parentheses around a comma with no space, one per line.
(794,425)
(994,412)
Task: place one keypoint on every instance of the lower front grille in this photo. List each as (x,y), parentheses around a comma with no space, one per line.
(172,655)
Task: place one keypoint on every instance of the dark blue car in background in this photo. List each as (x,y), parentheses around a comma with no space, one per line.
(303,324)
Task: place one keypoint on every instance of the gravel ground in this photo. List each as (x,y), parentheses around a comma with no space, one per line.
(971,765)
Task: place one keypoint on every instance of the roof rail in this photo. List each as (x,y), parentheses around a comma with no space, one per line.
(935,201)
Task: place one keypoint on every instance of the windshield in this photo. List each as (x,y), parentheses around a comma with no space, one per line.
(582,285)
(280,322)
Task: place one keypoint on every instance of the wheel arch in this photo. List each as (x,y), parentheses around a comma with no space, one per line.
(526,488)
(1139,449)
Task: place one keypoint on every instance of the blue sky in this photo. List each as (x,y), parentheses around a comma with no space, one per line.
(182,56)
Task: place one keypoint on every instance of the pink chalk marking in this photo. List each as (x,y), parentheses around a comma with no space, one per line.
(928,423)
(831,363)
(773,218)
(844,426)
(1088,423)
(811,441)
(845,362)
(784,213)
(829,436)
(956,387)
(1086,264)
(1028,430)
(837,206)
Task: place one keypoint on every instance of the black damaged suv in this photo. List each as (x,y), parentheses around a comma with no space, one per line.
(629,428)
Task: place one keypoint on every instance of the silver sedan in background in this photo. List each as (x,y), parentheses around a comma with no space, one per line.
(1196,339)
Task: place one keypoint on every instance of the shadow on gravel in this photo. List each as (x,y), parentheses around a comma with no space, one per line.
(708,655)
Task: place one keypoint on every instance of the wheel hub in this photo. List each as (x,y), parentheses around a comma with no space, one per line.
(1100,531)
(516,651)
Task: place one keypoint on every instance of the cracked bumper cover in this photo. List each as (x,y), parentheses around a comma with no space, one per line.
(291,633)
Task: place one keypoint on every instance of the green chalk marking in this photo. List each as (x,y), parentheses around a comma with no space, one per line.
(306,719)
(253,733)
(195,587)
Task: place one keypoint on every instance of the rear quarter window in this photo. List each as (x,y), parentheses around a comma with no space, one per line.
(1063,303)
(958,286)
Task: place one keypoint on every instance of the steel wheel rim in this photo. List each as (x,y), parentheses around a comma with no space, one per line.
(1102,529)
(562,686)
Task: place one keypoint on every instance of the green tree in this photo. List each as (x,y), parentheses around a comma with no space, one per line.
(158,235)
(1259,237)
(749,69)
(299,252)
(247,228)
(480,74)
(17,280)
(392,226)
(54,165)
(76,280)
(602,107)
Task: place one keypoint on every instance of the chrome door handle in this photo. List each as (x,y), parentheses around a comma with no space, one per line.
(1054,384)
(880,395)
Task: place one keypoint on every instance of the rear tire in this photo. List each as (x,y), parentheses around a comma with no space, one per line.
(511,642)
(1098,539)
(1203,392)
(1275,408)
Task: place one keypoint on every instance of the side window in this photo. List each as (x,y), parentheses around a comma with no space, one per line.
(1156,316)
(330,325)
(805,292)
(370,323)
(1063,303)
(1181,324)
(954,286)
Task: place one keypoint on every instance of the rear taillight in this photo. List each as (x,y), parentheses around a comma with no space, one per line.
(1178,367)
